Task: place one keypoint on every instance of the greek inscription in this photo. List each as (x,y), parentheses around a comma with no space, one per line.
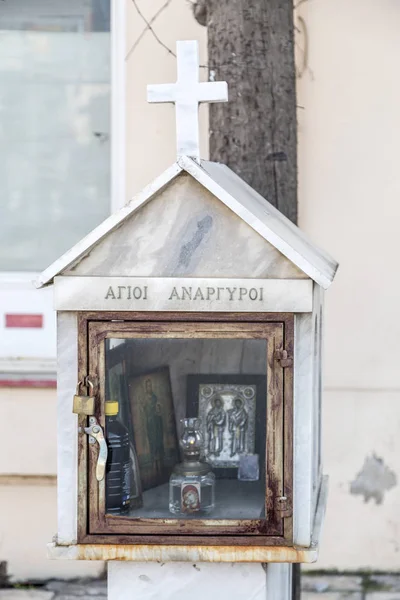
(110,294)
(216,293)
(137,293)
(127,292)
(242,292)
(186,292)
(174,294)
(253,294)
(210,292)
(198,295)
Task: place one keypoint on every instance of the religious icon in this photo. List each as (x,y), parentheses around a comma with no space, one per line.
(153,422)
(231,409)
(216,421)
(190,495)
(238,422)
(152,416)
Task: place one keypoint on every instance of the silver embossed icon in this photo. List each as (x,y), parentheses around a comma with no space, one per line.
(216,423)
(228,414)
(238,422)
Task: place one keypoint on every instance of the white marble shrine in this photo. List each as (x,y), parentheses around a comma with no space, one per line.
(197,277)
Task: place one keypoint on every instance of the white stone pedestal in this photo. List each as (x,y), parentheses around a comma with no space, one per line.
(202,581)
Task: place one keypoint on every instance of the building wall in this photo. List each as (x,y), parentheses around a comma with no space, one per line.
(54,121)
(28,495)
(349,202)
(349,181)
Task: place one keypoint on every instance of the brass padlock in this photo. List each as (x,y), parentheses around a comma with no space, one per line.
(83,405)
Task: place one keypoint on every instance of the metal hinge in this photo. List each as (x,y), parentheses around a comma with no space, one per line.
(283,358)
(283,506)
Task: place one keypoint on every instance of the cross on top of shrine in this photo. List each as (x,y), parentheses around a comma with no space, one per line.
(186,94)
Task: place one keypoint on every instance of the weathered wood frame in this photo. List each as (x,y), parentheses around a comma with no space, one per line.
(278,329)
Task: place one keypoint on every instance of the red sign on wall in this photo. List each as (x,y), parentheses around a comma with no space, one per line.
(20,321)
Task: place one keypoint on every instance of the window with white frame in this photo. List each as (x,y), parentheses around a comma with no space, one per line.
(55,171)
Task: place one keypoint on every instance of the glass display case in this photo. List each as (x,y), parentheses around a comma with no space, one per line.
(193,415)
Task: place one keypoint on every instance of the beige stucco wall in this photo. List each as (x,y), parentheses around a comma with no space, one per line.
(28,498)
(349,202)
(28,523)
(28,433)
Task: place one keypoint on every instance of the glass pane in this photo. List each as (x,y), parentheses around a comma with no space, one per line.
(54,127)
(186,428)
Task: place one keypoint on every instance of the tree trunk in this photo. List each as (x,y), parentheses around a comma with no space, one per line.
(250,45)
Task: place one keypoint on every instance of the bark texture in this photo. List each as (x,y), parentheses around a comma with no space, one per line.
(251,46)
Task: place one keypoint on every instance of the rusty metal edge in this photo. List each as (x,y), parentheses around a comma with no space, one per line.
(145,553)
(165,553)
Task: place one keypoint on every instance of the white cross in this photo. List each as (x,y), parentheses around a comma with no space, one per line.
(186,94)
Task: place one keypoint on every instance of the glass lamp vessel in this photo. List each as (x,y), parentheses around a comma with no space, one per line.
(192,483)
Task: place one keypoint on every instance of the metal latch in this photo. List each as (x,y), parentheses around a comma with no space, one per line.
(283,506)
(95,433)
(282,357)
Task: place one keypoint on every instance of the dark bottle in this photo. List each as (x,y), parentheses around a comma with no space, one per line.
(118,469)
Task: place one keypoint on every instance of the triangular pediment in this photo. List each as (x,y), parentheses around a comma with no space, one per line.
(185,232)
(196,221)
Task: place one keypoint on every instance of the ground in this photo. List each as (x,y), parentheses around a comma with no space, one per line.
(315,587)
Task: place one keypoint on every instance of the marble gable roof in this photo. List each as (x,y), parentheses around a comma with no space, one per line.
(238,196)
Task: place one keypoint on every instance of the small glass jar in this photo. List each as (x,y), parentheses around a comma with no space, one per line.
(192,483)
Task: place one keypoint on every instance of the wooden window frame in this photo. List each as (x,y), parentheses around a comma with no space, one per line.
(277,329)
